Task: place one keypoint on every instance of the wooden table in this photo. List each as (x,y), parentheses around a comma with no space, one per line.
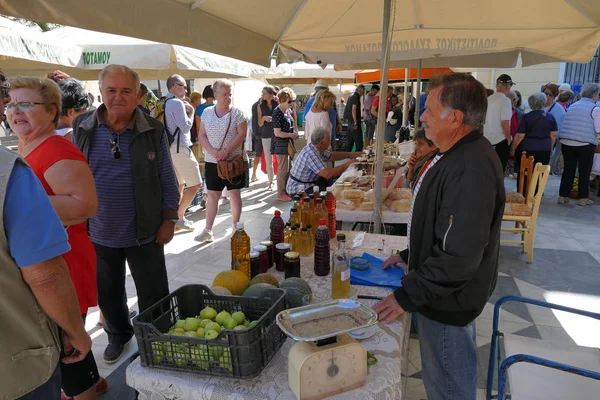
(385,381)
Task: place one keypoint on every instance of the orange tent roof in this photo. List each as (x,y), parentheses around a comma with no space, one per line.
(397,74)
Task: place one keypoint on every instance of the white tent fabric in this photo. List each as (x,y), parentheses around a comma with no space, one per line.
(23,49)
(151,60)
(343,31)
(301,73)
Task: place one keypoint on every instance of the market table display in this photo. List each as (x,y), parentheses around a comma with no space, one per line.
(389,344)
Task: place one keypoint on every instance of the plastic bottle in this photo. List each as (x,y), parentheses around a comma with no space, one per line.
(297,202)
(277,227)
(322,258)
(306,212)
(294,239)
(340,262)
(331,221)
(294,217)
(311,202)
(319,213)
(240,250)
(287,233)
(305,243)
(311,236)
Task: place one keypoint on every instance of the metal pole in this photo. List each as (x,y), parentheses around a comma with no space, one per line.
(405,101)
(418,96)
(385,61)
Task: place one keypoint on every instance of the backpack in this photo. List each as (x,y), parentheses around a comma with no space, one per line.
(159,112)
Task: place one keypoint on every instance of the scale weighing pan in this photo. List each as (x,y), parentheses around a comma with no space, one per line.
(316,322)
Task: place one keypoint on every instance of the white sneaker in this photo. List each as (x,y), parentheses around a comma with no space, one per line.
(585,202)
(184,225)
(205,237)
(563,200)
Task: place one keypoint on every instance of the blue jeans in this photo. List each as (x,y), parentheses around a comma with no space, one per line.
(48,391)
(449,358)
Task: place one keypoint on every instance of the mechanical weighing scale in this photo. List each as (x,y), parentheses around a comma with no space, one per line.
(325,360)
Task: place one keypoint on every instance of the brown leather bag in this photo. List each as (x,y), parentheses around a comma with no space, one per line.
(234,168)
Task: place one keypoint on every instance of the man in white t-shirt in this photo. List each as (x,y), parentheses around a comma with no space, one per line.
(497,120)
(179,117)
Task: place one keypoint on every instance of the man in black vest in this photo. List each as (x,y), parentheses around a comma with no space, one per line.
(138,198)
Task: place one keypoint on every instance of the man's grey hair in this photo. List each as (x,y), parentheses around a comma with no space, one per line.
(122,69)
(221,83)
(537,101)
(319,134)
(590,90)
(463,93)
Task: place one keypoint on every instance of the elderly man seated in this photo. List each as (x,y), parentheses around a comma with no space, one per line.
(310,165)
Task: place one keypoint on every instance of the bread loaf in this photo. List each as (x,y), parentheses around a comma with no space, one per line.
(401,205)
(370,195)
(345,205)
(367,206)
(400,194)
(353,194)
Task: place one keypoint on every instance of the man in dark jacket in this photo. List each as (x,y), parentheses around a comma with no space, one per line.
(352,115)
(453,238)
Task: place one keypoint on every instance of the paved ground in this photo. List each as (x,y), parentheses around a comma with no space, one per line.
(566,270)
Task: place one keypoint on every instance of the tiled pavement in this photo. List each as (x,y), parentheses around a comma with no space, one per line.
(566,270)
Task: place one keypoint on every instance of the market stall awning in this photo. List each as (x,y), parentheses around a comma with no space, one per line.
(345,32)
(23,49)
(307,74)
(151,60)
(398,74)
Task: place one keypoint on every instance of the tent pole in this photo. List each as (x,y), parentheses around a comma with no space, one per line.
(405,101)
(418,96)
(385,61)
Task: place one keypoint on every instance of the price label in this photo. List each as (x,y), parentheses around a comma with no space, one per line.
(345,275)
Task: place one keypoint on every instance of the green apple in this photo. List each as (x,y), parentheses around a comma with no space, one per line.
(208,313)
(205,322)
(222,316)
(191,334)
(171,332)
(200,357)
(213,326)
(180,324)
(239,317)
(191,324)
(246,323)
(230,323)
(239,328)
(211,334)
(177,354)
(225,361)
(178,332)
(252,323)
(200,332)
(158,352)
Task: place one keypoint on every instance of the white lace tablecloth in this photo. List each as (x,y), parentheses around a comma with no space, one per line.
(388,217)
(389,344)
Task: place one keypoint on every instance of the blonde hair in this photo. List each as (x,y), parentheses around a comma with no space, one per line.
(46,88)
(195,97)
(123,69)
(220,83)
(324,99)
(286,94)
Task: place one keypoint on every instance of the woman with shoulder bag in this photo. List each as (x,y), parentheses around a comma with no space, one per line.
(284,136)
(222,133)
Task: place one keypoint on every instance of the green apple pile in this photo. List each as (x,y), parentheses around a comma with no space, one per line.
(207,325)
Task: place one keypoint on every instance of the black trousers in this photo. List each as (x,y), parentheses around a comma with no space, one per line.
(503,151)
(149,272)
(577,157)
(355,137)
(538,157)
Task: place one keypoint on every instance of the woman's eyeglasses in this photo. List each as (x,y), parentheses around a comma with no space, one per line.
(23,106)
(115,149)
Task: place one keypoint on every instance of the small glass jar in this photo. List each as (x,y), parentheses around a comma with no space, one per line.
(254,263)
(270,250)
(292,264)
(280,250)
(263,258)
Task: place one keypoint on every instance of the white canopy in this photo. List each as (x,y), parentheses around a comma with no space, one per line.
(301,73)
(24,49)
(151,60)
(344,32)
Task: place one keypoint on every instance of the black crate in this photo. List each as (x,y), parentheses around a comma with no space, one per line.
(234,353)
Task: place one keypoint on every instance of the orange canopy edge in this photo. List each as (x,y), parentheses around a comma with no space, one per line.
(397,74)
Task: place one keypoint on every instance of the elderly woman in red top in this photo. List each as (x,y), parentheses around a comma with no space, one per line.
(33,113)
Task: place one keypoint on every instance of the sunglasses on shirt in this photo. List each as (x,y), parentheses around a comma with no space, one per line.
(115,149)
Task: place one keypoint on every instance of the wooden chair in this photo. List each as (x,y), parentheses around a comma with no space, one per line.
(525,175)
(526,214)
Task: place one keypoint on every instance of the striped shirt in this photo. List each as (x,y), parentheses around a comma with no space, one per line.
(416,191)
(115,222)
